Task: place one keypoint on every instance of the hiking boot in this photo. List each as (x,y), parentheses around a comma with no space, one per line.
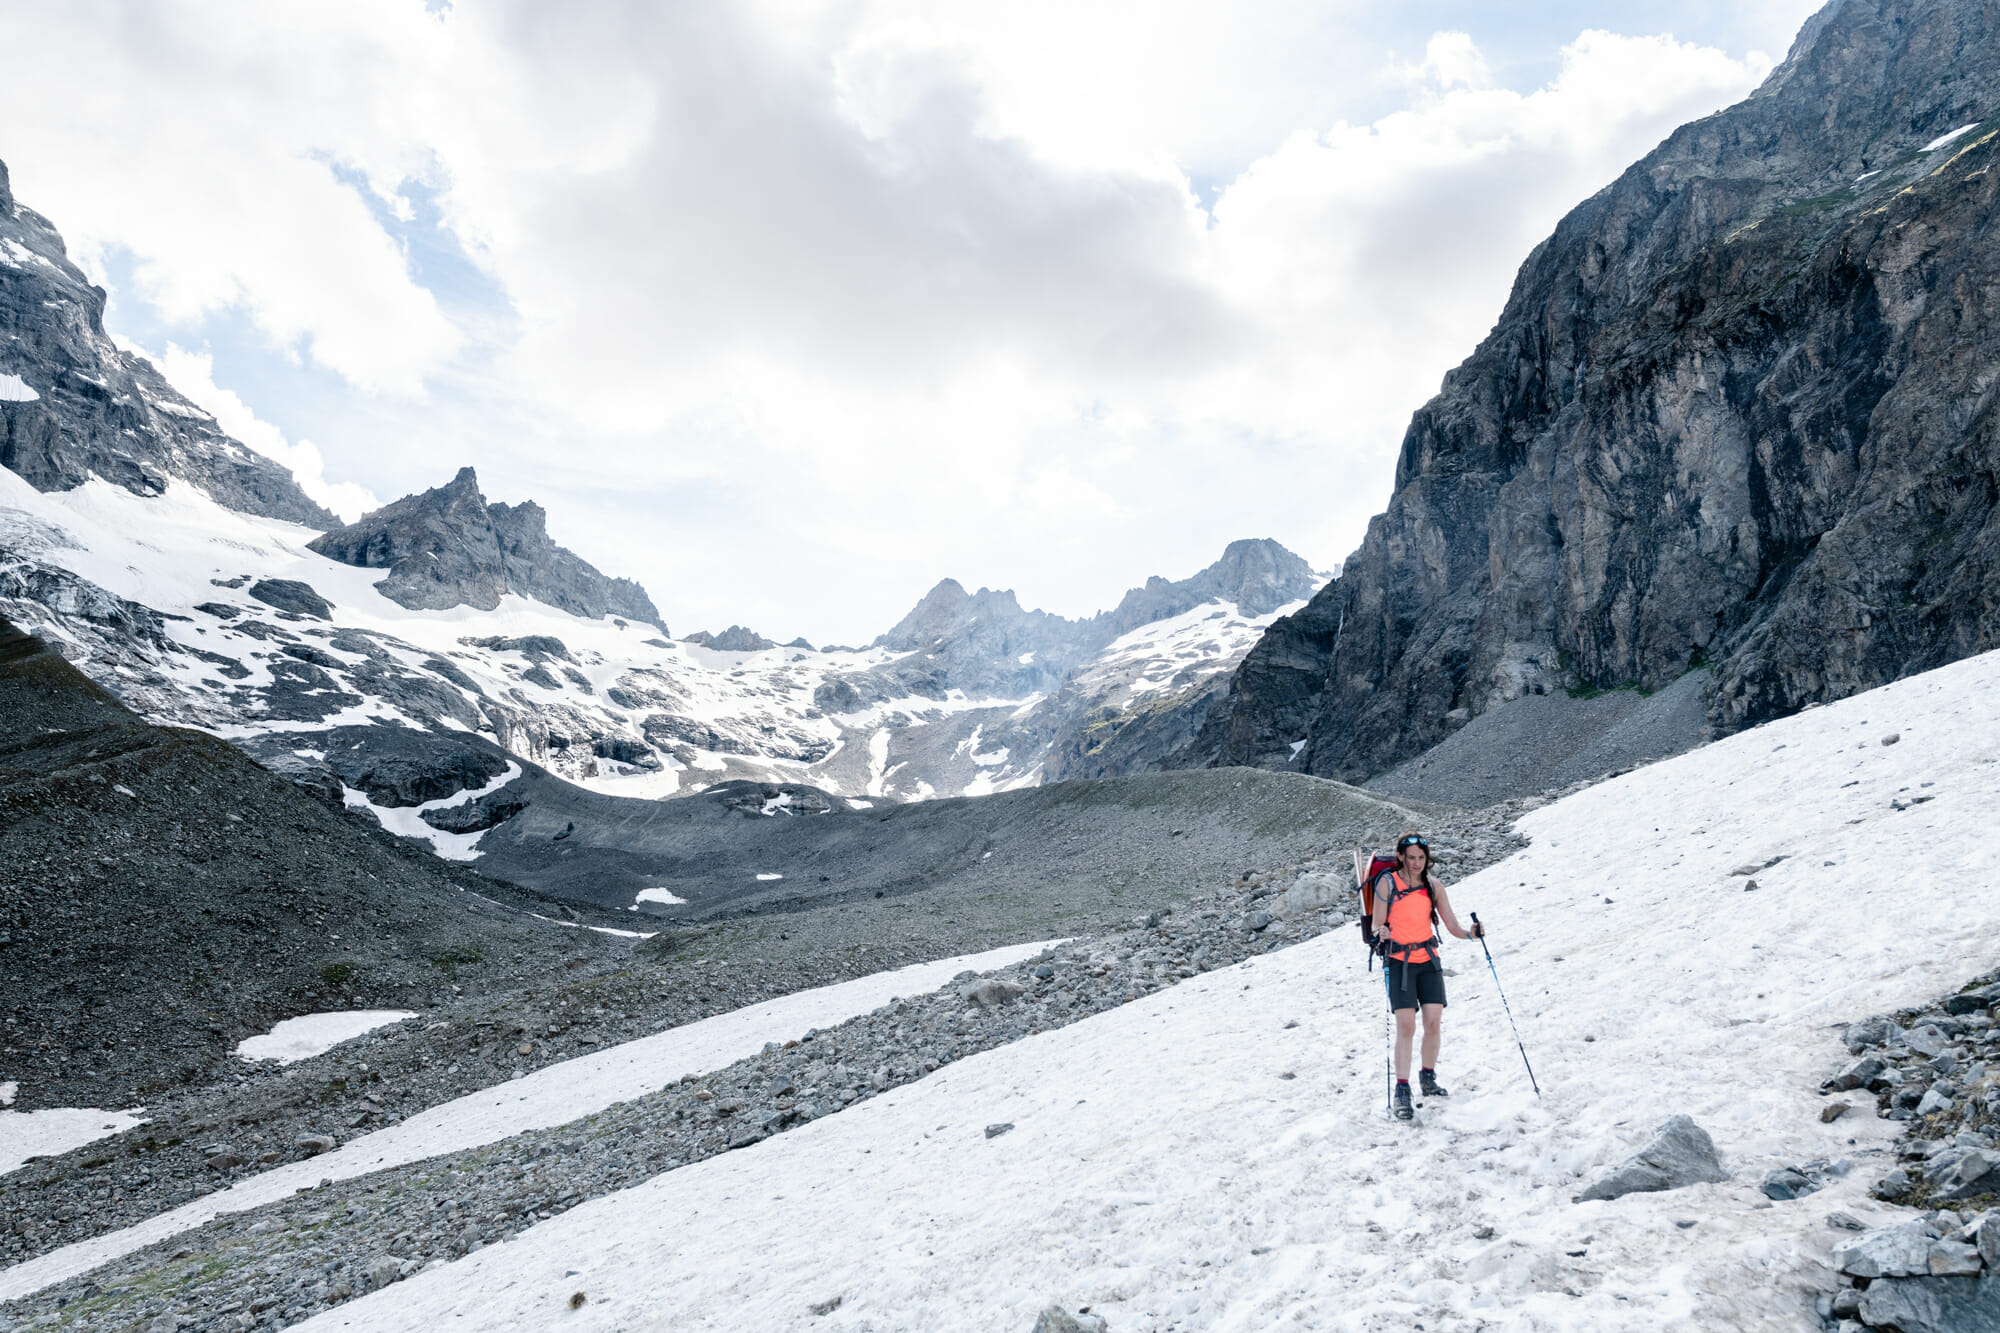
(1404,1111)
(1431,1086)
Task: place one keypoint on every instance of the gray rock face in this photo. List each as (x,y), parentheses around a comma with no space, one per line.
(448,547)
(1680,1154)
(292,595)
(1933,1304)
(73,404)
(1732,417)
(1055,1319)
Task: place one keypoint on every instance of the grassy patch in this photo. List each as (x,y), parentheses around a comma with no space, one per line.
(337,974)
(1589,691)
(448,961)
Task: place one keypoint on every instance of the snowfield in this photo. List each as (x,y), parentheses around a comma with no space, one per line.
(308,1035)
(1190,1161)
(25,1134)
(552,1095)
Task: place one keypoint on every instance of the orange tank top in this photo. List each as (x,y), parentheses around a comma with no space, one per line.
(1409,924)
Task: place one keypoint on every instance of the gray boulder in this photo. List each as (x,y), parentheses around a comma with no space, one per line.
(1877,1031)
(1312,893)
(1975,1172)
(1927,1040)
(1055,1319)
(1933,1304)
(1953,1258)
(1857,1075)
(1680,1154)
(1902,1250)
(292,595)
(991,992)
(1984,1232)
(1788,1183)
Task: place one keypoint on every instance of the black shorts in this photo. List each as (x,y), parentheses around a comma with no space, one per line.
(1413,984)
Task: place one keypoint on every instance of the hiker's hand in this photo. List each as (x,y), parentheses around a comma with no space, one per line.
(1478,932)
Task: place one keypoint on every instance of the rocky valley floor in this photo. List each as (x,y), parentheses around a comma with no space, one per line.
(1697,938)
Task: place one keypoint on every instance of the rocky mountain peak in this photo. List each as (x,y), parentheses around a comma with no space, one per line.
(735,639)
(1257,574)
(448,547)
(1733,418)
(935,613)
(74,405)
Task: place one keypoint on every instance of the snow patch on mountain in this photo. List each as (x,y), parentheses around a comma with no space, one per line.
(408,820)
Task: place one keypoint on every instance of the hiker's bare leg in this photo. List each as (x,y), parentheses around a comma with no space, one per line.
(1433,1033)
(1406,1030)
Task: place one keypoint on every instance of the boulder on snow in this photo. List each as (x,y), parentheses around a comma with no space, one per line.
(1788,1182)
(1932,1304)
(1876,1031)
(1857,1075)
(292,595)
(1902,1250)
(1680,1154)
(1055,1319)
(991,992)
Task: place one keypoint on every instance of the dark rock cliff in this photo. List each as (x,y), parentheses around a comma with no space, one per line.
(1736,415)
(72,404)
(448,547)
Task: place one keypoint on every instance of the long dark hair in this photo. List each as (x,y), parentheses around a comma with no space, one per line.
(1403,864)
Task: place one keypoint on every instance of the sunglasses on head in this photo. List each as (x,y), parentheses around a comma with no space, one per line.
(1412,841)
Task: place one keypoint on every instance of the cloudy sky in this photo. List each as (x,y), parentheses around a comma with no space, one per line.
(790,308)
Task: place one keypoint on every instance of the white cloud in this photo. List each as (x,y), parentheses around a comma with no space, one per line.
(903,288)
(1451,60)
(203,138)
(193,373)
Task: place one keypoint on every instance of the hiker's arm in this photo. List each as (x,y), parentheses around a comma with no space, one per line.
(1381,909)
(1449,917)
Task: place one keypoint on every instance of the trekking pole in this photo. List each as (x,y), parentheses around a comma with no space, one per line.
(1504,1005)
(1388,1049)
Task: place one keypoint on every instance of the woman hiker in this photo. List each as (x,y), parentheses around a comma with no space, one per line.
(1408,902)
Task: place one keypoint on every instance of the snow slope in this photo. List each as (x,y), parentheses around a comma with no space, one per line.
(1190,1162)
(308,1035)
(553,1095)
(46,1133)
